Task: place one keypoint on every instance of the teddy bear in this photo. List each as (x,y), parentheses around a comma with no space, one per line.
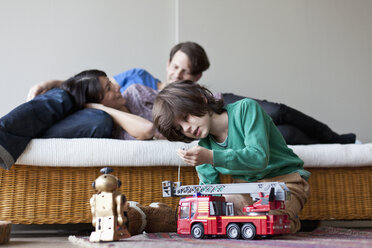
(157,217)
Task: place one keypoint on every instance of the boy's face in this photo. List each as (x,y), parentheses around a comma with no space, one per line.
(194,127)
(179,68)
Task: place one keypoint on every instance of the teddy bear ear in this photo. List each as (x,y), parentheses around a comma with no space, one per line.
(119,183)
(94,185)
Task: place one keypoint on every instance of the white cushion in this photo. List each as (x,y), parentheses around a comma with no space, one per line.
(111,152)
(335,155)
(101,152)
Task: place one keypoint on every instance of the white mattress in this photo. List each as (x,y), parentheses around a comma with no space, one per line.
(110,152)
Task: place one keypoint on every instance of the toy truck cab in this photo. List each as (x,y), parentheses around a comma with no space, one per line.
(200,215)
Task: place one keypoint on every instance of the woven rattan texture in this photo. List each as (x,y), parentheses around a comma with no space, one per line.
(339,193)
(59,195)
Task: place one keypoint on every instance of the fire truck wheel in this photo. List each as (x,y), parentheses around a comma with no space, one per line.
(233,231)
(197,231)
(248,231)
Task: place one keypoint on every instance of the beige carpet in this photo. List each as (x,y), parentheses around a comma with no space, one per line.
(323,237)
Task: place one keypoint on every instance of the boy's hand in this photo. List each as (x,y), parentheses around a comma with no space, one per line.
(196,156)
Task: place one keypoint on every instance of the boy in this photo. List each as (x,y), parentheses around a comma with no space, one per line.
(240,140)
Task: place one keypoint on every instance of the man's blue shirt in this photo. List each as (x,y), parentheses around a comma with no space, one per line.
(136,76)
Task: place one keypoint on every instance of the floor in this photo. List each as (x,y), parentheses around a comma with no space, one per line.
(46,236)
(56,236)
(39,242)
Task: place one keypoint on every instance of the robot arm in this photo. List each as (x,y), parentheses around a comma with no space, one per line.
(93,209)
(121,207)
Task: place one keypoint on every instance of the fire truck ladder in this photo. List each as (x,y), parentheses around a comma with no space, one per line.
(254,189)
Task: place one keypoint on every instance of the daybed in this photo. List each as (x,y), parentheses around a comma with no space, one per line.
(51,182)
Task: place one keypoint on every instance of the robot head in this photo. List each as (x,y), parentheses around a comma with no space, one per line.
(106,182)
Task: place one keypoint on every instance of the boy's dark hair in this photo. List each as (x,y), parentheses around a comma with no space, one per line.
(85,87)
(178,100)
(198,57)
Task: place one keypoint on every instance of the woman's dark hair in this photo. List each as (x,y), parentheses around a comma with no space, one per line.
(85,87)
(178,100)
(199,61)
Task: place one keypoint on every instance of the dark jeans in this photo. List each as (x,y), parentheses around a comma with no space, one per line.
(50,115)
(295,126)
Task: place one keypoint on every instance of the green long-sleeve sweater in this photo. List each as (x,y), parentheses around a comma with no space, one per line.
(255,148)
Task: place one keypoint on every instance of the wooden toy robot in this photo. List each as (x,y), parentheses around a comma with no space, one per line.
(109,209)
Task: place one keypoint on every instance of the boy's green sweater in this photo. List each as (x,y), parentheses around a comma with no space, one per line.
(255,148)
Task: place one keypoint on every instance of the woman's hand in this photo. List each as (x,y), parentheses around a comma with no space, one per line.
(196,156)
(41,88)
(35,90)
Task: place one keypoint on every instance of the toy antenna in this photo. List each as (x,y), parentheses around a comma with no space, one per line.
(179,171)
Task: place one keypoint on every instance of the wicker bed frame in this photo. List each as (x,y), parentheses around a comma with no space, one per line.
(60,195)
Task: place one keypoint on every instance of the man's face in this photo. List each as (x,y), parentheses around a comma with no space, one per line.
(111,94)
(179,69)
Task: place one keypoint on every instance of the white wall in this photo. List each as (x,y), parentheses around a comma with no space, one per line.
(312,55)
(52,39)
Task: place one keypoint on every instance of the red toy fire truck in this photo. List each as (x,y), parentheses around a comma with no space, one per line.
(208,214)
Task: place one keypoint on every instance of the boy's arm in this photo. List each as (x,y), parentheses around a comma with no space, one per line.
(255,156)
(202,158)
(208,174)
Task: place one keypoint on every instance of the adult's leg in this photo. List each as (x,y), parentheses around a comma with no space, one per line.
(231,98)
(270,108)
(84,123)
(315,130)
(300,191)
(29,121)
(295,136)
